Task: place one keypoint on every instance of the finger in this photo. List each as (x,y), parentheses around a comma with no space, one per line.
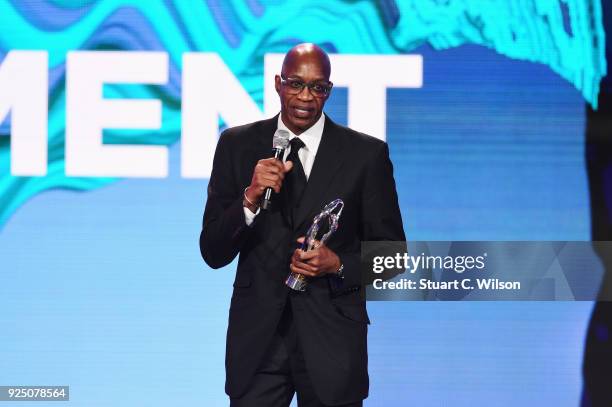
(270,161)
(302,271)
(287,166)
(305,266)
(276,174)
(296,255)
(262,185)
(276,168)
(301,239)
(314,262)
(270,177)
(278,164)
(272,182)
(273,177)
(315,243)
(266,182)
(310,254)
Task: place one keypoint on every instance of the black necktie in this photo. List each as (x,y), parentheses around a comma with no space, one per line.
(296,178)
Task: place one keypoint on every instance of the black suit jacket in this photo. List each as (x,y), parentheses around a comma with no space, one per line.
(331,319)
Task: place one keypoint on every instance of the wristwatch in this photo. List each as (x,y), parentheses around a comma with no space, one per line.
(340,272)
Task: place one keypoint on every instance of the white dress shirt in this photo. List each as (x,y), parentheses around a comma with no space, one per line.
(311,138)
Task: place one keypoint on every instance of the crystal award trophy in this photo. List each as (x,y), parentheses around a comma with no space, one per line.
(332,212)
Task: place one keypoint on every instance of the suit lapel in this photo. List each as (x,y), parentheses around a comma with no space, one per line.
(325,167)
(263,148)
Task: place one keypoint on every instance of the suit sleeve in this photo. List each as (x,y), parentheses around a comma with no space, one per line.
(381,219)
(224,229)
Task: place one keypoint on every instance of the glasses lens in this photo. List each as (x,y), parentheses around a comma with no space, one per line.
(295,86)
(319,90)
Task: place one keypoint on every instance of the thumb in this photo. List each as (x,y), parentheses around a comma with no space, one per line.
(288,166)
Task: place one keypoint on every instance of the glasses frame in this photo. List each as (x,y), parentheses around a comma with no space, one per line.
(328,87)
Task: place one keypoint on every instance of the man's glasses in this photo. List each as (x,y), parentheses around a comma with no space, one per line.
(296,86)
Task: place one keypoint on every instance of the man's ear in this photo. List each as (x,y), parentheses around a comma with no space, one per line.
(330,91)
(277,83)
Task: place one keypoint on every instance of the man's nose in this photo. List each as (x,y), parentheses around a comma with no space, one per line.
(305,94)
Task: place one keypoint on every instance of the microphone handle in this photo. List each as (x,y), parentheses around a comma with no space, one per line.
(267,200)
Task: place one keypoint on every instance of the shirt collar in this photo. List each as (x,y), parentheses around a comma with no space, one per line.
(311,137)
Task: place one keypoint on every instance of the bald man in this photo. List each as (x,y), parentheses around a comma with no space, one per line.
(279,341)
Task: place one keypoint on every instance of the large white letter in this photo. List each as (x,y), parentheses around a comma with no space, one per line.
(24,92)
(367,78)
(209,90)
(87,113)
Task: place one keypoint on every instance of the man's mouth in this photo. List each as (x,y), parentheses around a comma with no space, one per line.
(302,112)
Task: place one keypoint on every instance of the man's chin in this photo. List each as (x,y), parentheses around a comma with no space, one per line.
(302,123)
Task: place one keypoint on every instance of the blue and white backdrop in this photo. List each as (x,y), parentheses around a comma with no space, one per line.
(110,113)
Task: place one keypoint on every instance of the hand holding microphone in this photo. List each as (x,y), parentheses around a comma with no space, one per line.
(269,174)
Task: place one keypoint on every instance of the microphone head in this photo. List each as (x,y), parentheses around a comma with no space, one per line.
(280,139)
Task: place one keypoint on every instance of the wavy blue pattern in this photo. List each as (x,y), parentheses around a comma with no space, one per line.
(566,35)
(49,16)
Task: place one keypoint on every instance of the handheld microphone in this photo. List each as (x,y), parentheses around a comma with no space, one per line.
(280,142)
